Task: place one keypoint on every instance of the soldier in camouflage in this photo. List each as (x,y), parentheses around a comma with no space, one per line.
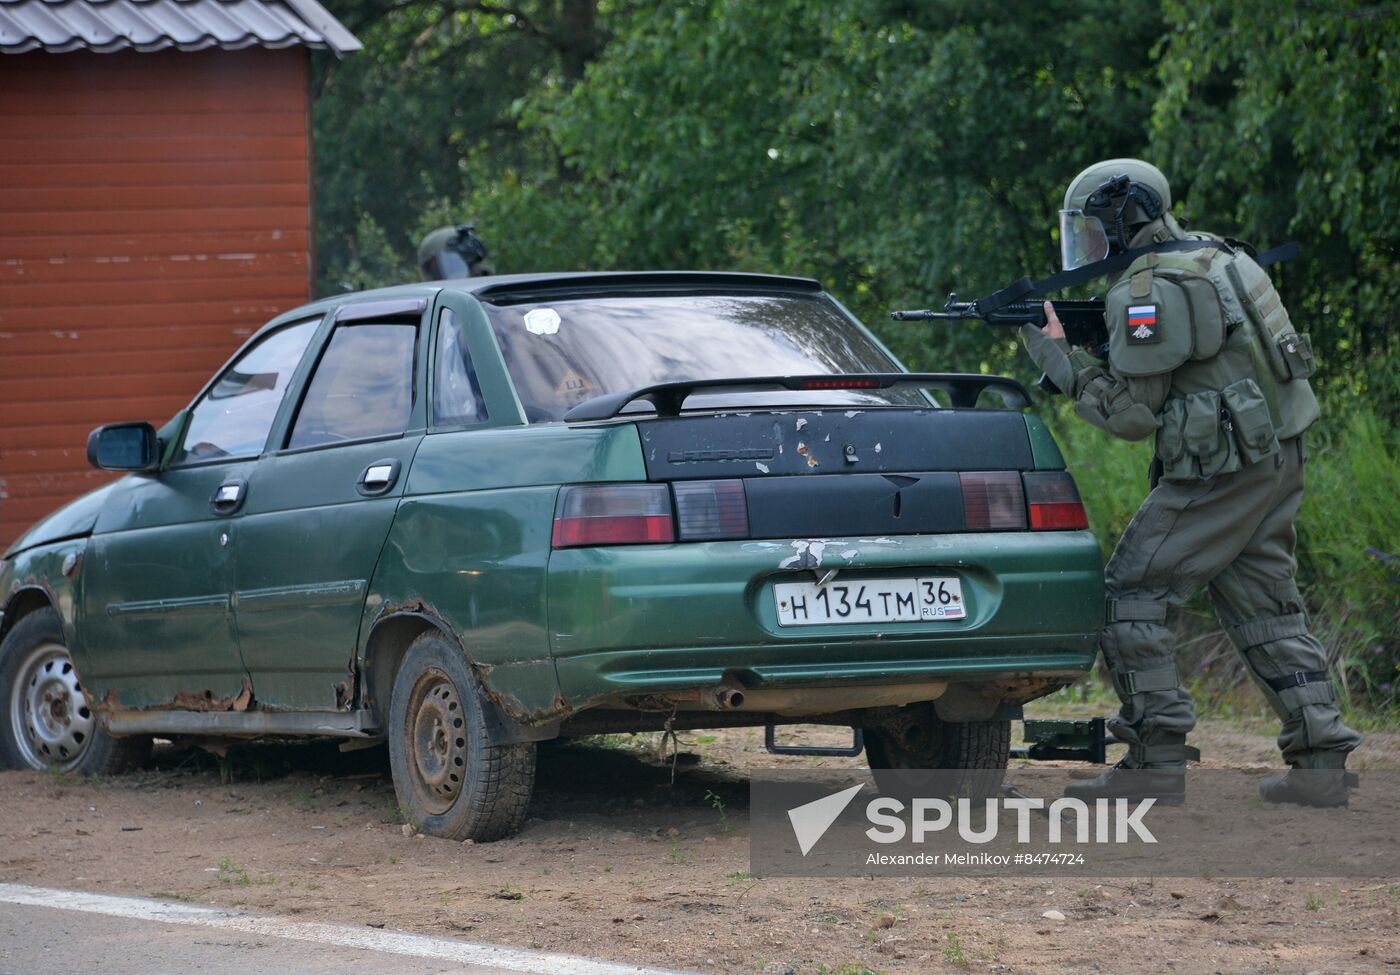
(1202,355)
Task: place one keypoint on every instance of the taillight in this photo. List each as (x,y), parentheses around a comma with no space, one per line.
(993,500)
(613,514)
(1053,502)
(710,510)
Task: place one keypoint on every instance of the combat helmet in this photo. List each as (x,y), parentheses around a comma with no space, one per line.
(1106,204)
(452,252)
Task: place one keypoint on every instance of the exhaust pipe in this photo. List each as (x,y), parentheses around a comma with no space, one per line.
(728,697)
(822,700)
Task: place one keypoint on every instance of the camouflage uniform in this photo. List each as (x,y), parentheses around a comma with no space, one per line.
(1202,355)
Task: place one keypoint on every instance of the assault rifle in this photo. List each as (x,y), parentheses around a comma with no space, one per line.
(1083,320)
(1019,303)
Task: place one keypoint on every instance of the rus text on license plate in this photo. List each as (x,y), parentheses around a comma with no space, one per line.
(873,601)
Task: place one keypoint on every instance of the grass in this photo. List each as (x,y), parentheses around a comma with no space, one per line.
(954,951)
(170,895)
(231,873)
(717,802)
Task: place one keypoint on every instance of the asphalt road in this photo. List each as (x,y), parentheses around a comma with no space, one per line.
(52,932)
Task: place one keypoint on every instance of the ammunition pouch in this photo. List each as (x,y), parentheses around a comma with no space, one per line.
(1249,420)
(1210,433)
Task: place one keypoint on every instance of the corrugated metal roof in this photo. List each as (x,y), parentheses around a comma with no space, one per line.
(152,25)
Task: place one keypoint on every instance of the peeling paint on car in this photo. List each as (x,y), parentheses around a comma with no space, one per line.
(807,554)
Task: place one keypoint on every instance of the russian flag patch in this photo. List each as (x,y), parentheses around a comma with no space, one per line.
(1142,324)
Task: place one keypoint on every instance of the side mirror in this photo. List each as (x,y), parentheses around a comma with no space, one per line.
(124,447)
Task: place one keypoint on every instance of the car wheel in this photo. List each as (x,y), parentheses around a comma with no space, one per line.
(452,777)
(915,738)
(47,722)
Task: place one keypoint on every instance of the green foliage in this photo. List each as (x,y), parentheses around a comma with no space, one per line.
(1349,548)
(1277,121)
(427,113)
(850,142)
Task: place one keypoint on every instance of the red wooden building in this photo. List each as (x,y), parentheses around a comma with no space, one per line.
(155,209)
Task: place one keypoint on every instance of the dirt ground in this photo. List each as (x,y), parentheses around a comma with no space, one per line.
(617,862)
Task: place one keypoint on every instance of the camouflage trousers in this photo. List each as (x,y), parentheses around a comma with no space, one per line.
(1235,534)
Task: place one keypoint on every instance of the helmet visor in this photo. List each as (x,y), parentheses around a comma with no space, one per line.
(1083,239)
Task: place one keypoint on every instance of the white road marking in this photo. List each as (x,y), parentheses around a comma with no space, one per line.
(341,935)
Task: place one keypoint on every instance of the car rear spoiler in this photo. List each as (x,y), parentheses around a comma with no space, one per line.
(963,390)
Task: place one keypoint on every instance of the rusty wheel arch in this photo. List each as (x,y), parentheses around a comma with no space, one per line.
(389,640)
(28,599)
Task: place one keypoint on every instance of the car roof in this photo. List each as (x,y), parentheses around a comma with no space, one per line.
(498,286)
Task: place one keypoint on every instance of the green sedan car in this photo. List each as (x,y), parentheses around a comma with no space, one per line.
(465,517)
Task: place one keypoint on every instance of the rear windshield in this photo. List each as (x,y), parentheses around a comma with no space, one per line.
(561,352)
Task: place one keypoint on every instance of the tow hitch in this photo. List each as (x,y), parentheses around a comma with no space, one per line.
(1049,741)
(856,746)
(1074,741)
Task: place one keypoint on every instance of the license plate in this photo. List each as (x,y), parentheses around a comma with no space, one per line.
(929,598)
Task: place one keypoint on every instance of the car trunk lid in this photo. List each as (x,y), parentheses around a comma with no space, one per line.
(884,471)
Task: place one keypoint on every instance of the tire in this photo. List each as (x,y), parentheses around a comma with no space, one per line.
(45,721)
(916,739)
(452,778)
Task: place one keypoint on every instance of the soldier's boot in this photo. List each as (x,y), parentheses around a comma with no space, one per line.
(1149,771)
(1316,778)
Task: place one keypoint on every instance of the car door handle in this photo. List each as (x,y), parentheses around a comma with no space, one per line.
(228,496)
(378,478)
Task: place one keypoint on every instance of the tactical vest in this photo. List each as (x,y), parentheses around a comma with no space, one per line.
(1239,369)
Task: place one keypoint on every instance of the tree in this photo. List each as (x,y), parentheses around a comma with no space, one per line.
(412,128)
(1278,121)
(896,152)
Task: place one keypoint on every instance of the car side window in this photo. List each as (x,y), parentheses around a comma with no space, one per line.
(234,416)
(456,396)
(362,387)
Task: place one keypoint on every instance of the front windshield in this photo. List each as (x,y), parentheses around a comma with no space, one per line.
(562,352)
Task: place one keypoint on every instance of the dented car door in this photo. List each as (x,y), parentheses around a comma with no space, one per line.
(321,504)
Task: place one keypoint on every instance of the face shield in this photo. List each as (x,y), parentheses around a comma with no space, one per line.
(445,264)
(1083,239)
